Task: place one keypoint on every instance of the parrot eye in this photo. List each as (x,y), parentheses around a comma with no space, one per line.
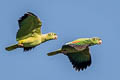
(50,34)
(94,39)
(54,34)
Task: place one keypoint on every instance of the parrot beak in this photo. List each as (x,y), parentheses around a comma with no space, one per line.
(100,42)
(56,37)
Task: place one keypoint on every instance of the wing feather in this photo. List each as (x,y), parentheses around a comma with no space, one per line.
(80,60)
(79,44)
(29,24)
(76,47)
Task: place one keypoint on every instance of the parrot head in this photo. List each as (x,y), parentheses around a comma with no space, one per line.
(96,40)
(52,35)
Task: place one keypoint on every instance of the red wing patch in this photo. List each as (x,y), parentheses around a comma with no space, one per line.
(75,41)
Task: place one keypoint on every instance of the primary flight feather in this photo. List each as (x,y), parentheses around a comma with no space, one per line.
(29,34)
(78,52)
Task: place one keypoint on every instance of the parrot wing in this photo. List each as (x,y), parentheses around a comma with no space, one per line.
(77,44)
(29,24)
(80,60)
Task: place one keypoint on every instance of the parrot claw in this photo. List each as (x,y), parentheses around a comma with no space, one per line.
(21,45)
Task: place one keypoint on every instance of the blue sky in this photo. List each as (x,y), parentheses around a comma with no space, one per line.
(70,19)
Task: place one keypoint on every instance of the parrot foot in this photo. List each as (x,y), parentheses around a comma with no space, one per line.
(21,45)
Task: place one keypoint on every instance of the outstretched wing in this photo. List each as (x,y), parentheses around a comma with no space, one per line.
(29,24)
(80,60)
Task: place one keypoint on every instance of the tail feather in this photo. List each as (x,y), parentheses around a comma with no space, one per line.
(54,52)
(12,47)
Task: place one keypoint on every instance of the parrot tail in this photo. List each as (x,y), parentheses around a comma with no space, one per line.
(54,52)
(12,47)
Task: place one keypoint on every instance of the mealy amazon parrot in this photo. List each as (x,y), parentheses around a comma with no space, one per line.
(78,52)
(29,34)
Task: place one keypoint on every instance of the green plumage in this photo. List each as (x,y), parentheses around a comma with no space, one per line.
(78,52)
(29,34)
(80,59)
(29,25)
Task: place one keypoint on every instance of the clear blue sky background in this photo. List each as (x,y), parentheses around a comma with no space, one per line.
(70,19)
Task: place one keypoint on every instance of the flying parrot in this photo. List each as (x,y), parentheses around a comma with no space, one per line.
(29,34)
(78,52)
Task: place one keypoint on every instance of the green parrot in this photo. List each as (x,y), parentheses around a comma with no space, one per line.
(29,34)
(78,52)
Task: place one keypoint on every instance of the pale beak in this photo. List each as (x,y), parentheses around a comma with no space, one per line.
(100,42)
(56,37)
